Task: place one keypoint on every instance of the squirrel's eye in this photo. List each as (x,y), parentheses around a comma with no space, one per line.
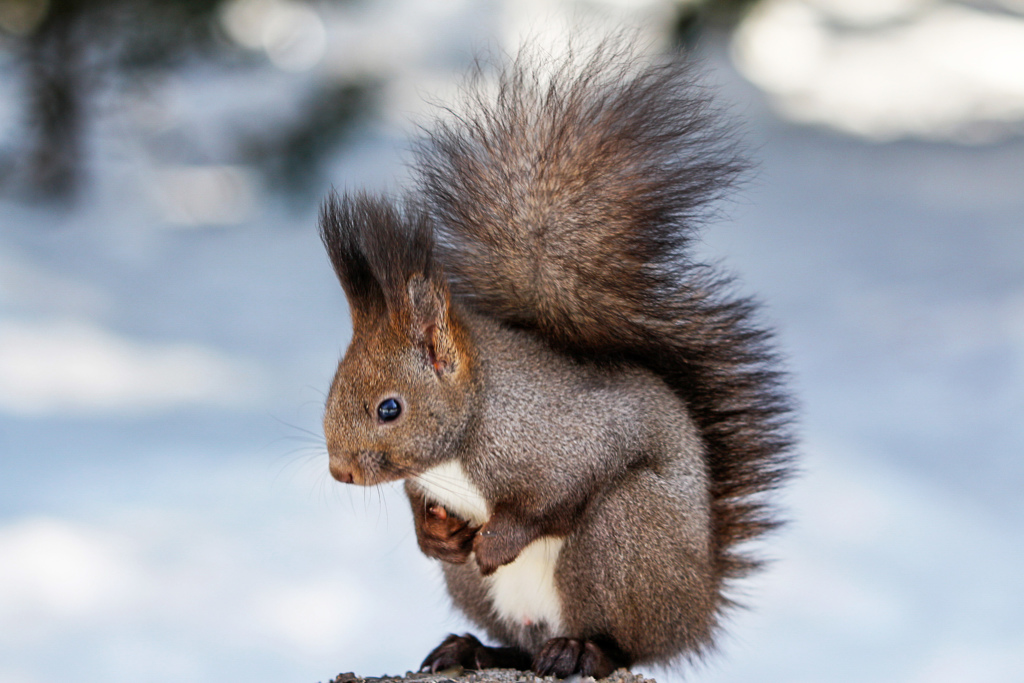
(389,409)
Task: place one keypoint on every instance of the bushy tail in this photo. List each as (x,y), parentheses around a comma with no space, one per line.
(564,202)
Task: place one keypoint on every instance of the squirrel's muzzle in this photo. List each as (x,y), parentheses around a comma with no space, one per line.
(365,468)
(345,472)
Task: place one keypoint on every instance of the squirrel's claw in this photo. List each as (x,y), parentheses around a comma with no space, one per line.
(563,657)
(453,651)
(468,652)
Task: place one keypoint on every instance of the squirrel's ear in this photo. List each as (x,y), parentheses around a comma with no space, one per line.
(434,328)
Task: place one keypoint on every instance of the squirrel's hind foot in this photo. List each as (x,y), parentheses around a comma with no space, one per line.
(563,657)
(468,652)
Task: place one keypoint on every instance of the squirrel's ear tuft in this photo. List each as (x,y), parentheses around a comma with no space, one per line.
(343,220)
(433,326)
(398,242)
(375,245)
(382,252)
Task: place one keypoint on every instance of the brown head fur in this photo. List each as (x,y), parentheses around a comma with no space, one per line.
(407,345)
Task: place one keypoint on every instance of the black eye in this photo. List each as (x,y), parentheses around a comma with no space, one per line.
(389,409)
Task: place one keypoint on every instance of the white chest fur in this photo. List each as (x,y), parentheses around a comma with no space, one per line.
(524,591)
(448,485)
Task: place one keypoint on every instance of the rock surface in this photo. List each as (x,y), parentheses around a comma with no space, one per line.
(460,675)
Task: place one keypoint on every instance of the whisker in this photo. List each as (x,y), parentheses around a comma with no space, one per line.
(315,435)
(320,486)
(387,518)
(377,488)
(318,390)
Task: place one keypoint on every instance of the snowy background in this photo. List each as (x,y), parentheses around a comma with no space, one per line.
(165,345)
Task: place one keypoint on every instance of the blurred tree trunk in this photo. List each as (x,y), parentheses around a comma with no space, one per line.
(56,101)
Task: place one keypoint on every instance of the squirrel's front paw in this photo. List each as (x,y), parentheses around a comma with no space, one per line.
(443,535)
(494,549)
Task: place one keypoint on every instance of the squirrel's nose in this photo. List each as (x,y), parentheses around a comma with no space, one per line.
(342,471)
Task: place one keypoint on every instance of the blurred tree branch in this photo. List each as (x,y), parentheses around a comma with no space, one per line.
(694,17)
(292,156)
(69,50)
(66,53)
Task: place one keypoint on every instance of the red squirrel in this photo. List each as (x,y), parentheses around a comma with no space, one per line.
(586,419)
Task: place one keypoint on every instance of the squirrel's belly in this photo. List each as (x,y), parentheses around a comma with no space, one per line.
(523,591)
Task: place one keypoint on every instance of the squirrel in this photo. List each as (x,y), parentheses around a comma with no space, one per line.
(588,422)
